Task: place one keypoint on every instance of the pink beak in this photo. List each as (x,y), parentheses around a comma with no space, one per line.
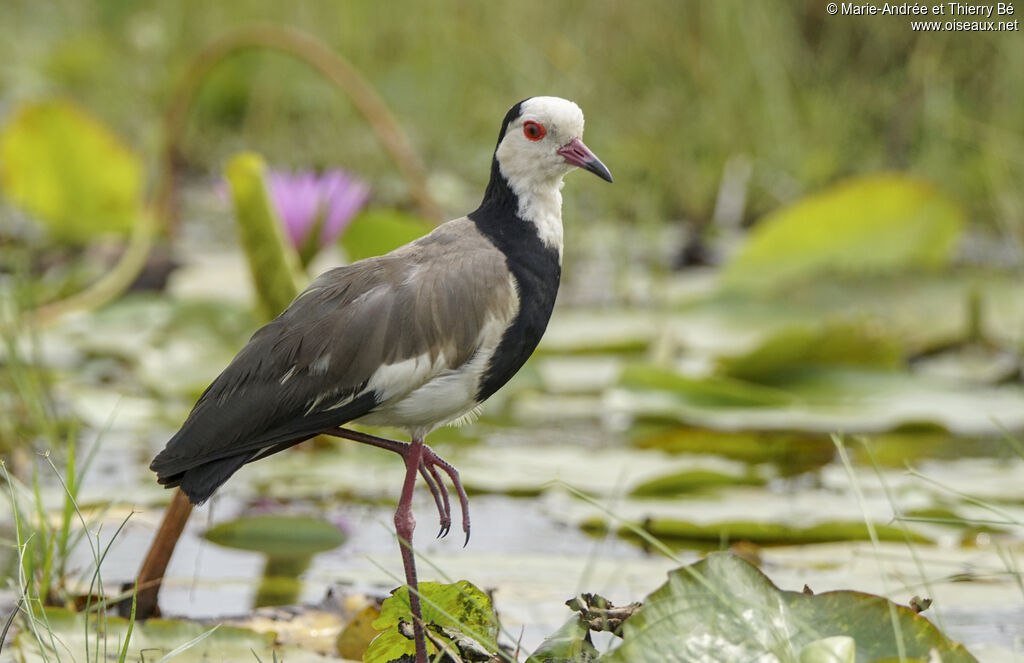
(578,154)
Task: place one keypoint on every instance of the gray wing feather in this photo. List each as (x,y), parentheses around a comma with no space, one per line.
(433,297)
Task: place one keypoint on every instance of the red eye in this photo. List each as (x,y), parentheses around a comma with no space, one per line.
(534,131)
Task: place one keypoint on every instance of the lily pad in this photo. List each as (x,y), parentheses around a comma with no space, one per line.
(678,532)
(578,332)
(149,640)
(791,452)
(376,232)
(831,343)
(766,533)
(724,609)
(841,398)
(681,483)
(278,535)
(879,224)
(713,391)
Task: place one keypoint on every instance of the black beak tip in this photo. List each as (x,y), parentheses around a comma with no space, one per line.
(599,169)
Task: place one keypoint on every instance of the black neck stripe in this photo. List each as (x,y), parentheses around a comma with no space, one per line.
(535,267)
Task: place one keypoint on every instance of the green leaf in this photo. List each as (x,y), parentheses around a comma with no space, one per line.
(769,533)
(799,451)
(65,168)
(272,262)
(853,399)
(831,343)
(710,392)
(724,609)
(277,535)
(880,224)
(691,481)
(460,606)
(569,644)
(376,232)
(837,649)
(150,640)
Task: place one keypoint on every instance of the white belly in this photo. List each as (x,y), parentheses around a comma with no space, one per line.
(443,395)
(445,398)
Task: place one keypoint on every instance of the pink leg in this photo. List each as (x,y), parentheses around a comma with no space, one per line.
(404,526)
(429,464)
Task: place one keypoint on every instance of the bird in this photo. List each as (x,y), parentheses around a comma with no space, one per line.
(415,339)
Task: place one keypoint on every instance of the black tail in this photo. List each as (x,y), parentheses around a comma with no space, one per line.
(186,460)
(199,483)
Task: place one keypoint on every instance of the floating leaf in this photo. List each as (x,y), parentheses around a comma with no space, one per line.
(272,262)
(69,171)
(831,398)
(277,535)
(878,224)
(150,640)
(840,343)
(460,607)
(837,649)
(690,481)
(793,452)
(724,609)
(379,231)
(713,391)
(578,332)
(769,533)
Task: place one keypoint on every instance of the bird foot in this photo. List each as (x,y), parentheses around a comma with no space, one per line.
(432,461)
(430,468)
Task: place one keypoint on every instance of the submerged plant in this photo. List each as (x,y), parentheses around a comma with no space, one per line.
(315,208)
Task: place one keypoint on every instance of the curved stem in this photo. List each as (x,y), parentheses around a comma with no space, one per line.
(111,284)
(328,63)
(305,48)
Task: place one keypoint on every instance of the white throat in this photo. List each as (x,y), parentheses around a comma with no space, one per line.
(540,203)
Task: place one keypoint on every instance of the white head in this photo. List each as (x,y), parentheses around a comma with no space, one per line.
(542,143)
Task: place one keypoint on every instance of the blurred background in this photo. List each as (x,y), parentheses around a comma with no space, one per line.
(803,287)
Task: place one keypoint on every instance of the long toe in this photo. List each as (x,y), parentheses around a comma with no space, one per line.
(433,461)
(440,493)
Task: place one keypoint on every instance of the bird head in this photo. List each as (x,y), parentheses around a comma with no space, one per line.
(542,140)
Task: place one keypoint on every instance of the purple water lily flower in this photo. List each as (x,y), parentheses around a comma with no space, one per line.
(316,208)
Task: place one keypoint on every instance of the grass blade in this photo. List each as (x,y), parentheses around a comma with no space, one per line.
(131,627)
(188,645)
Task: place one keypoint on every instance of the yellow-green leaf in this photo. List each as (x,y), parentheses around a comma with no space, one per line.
(878,224)
(69,171)
(839,342)
(377,232)
(460,607)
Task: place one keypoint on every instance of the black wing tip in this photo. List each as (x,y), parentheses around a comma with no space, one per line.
(196,498)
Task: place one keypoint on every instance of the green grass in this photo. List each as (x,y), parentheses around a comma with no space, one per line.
(672,89)
(45,537)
